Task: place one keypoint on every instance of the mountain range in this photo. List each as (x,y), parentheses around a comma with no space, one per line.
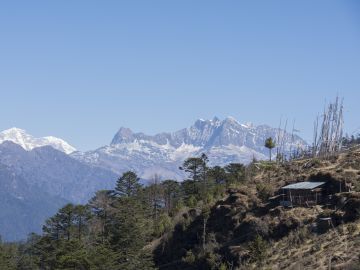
(39,175)
(224,141)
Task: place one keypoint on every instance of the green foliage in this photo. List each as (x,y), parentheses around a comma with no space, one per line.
(223,266)
(8,256)
(172,195)
(191,201)
(116,228)
(194,166)
(213,260)
(198,175)
(102,257)
(129,228)
(127,185)
(235,173)
(72,255)
(270,144)
(218,174)
(100,207)
(189,257)
(163,225)
(178,206)
(258,249)
(69,222)
(190,188)
(29,259)
(264,191)
(108,233)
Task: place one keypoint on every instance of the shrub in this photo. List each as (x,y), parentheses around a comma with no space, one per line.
(191,201)
(352,228)
(316,162)
(352,209)
(162,225)
(264,191)
(189,257)
(299,236)
(258,250)
(213,260)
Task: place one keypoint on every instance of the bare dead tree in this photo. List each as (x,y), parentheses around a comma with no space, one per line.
(278,140)
(283,140)
(315,141)
(328,137)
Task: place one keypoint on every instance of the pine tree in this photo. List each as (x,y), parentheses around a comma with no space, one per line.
(127,185)
(197,169)
(204,171)
(270,144)
(52,227)
(82,215)
(72,255)
(67,216)
(171,194)
(102,257)
(218,174)
(258,249)
(130,230)
(100,206)
(235,172)
(193,166)
(68,221)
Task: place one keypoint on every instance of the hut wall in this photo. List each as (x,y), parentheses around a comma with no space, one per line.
(302,196)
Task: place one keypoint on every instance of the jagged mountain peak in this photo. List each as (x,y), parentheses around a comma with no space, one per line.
(205,133)
(124,135)
(29,142)
(224,141)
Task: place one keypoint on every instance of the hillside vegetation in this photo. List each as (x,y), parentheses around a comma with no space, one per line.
(219,218)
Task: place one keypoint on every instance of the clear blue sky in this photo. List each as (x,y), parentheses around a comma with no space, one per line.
(81,69)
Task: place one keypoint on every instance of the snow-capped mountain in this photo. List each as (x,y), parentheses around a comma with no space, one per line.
(34,184)
(224,141)
(28,142)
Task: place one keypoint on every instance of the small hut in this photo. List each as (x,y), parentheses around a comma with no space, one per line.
(302,194)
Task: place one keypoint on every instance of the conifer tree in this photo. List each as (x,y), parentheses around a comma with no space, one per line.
(82,215)
(235,172)
(270,144)
(127,185)
(171,192)
(218,174)
(193,166)
(100,206)
(130,229)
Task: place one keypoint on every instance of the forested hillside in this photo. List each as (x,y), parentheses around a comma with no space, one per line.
(218,218)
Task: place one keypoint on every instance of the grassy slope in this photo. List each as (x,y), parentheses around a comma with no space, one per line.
(242,214)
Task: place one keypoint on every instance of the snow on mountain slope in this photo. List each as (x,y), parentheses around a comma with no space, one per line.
(224,141)
(28,142)
(35,184)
